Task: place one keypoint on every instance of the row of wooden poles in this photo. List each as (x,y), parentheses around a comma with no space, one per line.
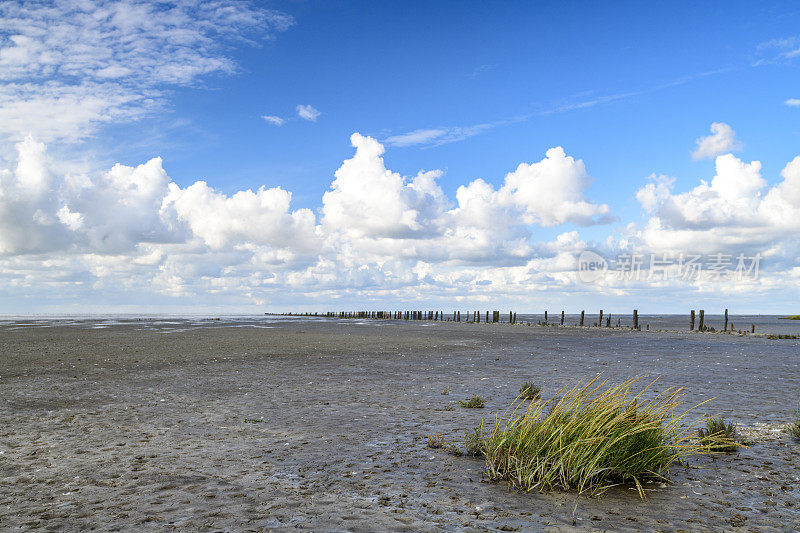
(414,315)
(702,326)
(495,317)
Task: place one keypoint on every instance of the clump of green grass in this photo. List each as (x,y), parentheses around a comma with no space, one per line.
(719,435)
(473,441)
(591,437)
(794,427)
(474,402)
(529,391)
(452,449)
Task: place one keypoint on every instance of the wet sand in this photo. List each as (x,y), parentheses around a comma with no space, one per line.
(321,425)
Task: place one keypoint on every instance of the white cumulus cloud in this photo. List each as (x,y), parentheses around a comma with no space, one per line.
(721,140)
(245,218)
(384,214)
(735,212)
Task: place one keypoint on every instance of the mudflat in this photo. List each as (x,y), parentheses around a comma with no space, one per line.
(321,425)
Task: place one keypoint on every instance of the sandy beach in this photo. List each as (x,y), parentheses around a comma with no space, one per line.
(321,425)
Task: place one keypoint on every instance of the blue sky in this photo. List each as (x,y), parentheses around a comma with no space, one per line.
(470,89)
(626,87)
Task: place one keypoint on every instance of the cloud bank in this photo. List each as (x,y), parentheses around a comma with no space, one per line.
(376,230)
(377,234)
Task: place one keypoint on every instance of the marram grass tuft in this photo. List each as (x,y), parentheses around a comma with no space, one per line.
(590,437)
(794,427)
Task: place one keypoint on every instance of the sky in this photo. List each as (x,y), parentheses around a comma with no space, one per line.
(234,156)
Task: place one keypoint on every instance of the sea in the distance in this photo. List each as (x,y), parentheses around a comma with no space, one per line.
(764,324)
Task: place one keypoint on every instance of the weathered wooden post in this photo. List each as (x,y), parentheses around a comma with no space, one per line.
(562,318)
(691,321)
(608,321)
(545,318)
(600,322)
(582,314)
(635,319)
(459,317)
(752,328)
(725,328)
(515,318)
(702,321)
(478,314)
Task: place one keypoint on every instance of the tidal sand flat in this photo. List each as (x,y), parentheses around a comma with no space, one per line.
(254,425)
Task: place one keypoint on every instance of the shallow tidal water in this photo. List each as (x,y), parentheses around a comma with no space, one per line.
(279,423)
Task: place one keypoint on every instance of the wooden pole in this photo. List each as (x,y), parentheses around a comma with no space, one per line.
(545,318)
(562,318)
(600,322)
(752,328)
(582,314)
(702,321)
(726,321)
(691,321)
(635,319)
